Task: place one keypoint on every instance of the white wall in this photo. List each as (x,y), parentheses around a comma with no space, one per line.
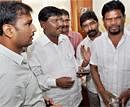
(37,5)
(97,7)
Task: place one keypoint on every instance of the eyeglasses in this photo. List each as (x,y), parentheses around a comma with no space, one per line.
(91,23)
(55,21)
(66,20)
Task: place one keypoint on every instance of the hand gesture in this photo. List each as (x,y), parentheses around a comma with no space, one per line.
(85,53)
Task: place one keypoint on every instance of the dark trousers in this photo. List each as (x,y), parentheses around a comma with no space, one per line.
(94,100)
(90,99)
(85,101)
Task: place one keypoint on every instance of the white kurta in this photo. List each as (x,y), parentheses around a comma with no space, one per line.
(49,62)
(113,63)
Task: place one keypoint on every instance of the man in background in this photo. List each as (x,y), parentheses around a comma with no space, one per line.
(90,26)
(74,37)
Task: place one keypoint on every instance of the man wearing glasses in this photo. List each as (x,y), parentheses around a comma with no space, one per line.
(53,62)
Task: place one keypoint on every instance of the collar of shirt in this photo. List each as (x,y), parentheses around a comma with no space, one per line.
(88,39)
(124,36)
(11,55)
(45,40)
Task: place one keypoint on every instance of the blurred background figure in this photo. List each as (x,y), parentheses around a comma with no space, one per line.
(74,37)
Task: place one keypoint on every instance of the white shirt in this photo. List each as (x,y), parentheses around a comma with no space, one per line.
(113,63)
(49,62)
(87,42)
(18,85)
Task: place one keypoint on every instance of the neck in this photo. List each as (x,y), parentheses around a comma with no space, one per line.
(115,38)
(10,45)
(98,34)
(54,39)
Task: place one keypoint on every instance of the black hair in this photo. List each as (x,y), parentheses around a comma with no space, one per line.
(47,12)
(113,5)
(64,12)
(10,10)
(89,14)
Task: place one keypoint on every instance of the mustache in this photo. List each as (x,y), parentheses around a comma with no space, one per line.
(65,26)
(116,26)
(92,32)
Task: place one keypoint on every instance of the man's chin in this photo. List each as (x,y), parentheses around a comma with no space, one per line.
(114,33)
(28,44)
(92,34)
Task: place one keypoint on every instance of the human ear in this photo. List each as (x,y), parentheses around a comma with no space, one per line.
(42,23)
(8,30)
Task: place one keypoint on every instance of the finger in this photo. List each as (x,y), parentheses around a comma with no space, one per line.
(122,102)
(81,50)
(70,83)
(88,49)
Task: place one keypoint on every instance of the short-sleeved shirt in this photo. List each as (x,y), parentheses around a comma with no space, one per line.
(18,85)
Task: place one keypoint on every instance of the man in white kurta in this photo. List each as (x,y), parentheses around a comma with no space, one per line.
(49,62)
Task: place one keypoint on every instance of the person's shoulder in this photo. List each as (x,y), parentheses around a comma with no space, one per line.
(101,37)
(41,40)
(37,45)
(127,31)
(63,36)
(128,27)
(75,33)
(84,41)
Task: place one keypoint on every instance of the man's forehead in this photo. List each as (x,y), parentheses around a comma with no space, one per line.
(89,21)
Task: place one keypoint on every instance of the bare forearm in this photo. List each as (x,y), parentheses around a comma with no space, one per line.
(85,63)
(96,78)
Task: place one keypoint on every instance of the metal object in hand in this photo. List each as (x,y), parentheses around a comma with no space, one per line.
(114,102)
